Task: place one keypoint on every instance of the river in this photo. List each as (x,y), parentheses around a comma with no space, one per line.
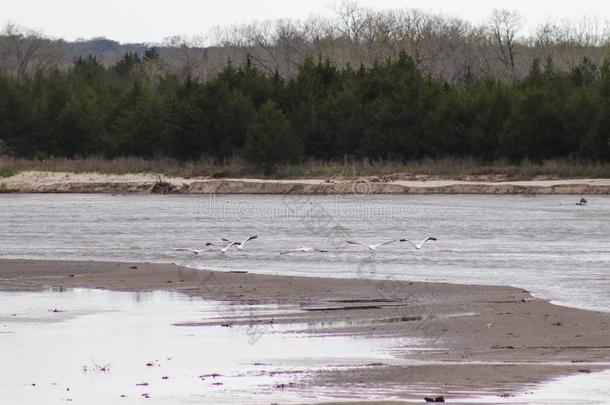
(545,244)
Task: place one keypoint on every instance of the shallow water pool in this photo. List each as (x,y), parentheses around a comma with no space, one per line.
(93,346)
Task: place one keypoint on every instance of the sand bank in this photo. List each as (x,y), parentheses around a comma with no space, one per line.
(480,339)
(57,182)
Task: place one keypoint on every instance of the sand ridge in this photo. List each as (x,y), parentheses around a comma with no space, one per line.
(62,182)
(481,339)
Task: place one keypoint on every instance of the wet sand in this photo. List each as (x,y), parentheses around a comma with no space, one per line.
(59,182)
(480,339)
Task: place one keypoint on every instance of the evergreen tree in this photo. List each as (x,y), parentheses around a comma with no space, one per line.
(270,138)
(389,110)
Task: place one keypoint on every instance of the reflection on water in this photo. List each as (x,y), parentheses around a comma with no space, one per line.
(545,244)
(100,347)
(584,389)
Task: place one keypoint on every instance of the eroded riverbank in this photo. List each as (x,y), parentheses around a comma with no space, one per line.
(60,182)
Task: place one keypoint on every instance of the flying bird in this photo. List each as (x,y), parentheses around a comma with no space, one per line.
(240,245)
(421,244)
(370,247)
(223,250)
(303,250)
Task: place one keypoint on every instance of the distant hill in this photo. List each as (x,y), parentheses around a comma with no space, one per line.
(104,49)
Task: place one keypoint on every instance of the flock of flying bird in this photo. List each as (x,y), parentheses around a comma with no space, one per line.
(241,245)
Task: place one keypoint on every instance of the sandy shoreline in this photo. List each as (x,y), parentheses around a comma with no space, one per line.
(58,182)
(479,336)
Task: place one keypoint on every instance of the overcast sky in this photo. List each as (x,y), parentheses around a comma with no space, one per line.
(153,20)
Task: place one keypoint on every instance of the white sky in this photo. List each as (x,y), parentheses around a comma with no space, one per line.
(153,20)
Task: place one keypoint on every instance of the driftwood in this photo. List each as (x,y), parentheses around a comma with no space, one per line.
(161,187)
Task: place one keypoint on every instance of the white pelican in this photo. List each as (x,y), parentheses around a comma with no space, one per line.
(420,244)
(241,245)
(370,247)
(304,250)
(220,248)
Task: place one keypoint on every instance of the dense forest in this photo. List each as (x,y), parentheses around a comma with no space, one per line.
(391,84)
(388,110)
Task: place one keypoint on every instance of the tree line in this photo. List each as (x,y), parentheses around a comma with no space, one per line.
(389,110)
(441,46)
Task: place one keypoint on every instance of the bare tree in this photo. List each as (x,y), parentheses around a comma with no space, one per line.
(585,31)
(186,56)
(569,41)
(389,32)
(352,19)
(291,43)
(421,30)
(24,51)
(457,53)
(441,46)
(504,26)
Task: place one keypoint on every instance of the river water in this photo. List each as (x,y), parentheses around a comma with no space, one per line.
(545,244)
(101,347)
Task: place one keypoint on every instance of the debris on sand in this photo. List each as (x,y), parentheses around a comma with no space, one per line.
(284,386)
(435,399)
(161,187)
(96,368)
(212,375)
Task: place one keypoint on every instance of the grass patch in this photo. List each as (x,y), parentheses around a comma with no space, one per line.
(9,171)
(456,169)
(8,168)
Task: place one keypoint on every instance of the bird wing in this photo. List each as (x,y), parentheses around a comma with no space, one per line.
(211,244)
(231,245)
(227,240)
(285,252)
(249,239)
(429,239)
(408,241)
(387,243)
(321,250)
(351,242)
(184,250)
